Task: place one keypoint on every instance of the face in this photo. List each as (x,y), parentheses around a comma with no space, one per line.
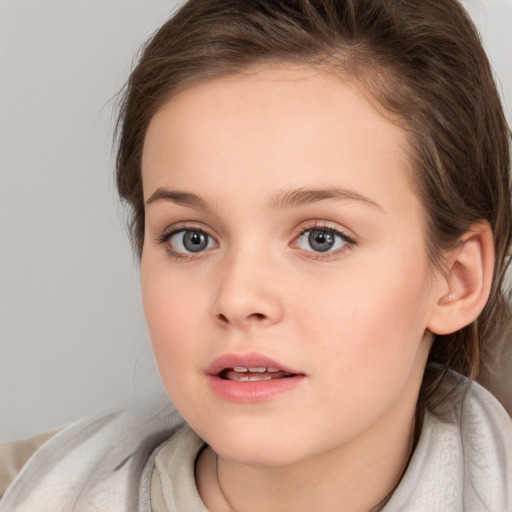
(283,235)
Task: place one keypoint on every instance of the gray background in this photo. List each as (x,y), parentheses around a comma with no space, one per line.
(72,334)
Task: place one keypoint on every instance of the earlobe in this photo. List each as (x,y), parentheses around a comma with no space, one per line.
(467,282)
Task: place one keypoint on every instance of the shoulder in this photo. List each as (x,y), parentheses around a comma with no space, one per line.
(95,464)
(463,460)
(486,438)
(14,455)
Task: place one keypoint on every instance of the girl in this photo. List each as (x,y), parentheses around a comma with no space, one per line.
(320,201)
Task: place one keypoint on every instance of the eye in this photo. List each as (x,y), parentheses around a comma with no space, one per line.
(322,240)
(188,241)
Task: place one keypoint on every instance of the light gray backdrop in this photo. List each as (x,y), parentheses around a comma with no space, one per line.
(72,333)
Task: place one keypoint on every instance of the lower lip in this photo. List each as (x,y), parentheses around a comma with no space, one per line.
(250,392)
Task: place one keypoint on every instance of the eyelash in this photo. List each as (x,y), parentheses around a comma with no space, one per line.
(164,238)
(326,228)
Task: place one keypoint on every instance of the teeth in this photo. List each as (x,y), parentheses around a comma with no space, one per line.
(255,369)
(247,378)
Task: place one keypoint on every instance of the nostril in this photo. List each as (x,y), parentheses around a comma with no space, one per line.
(257,316)
(223,318)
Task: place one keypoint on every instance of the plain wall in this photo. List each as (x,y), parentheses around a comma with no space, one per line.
(72,334)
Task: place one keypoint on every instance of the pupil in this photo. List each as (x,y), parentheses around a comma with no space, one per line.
(194,241)
(321,241)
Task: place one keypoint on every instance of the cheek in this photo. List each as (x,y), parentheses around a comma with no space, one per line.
(372,317)
(174,320)
(368,339)
(172,310)
(171,299)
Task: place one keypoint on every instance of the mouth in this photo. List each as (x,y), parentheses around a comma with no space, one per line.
(252,374)
(244,367)
(251,378)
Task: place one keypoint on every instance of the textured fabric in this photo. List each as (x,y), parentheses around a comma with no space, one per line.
(14,455)
(96,465)
(463,462)
(173,486)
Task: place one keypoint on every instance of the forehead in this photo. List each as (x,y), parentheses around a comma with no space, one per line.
(275,128)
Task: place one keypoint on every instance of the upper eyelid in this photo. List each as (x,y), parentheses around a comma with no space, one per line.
(176,228)
(338,232)
(327,226)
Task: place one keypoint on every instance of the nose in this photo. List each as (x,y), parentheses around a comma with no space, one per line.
(248,292)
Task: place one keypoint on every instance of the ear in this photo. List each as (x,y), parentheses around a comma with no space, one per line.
(466,285)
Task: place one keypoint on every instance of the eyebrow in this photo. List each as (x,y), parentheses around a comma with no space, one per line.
(178,197)
(303,196)
(282,200)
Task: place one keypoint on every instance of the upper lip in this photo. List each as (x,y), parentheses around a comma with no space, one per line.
(248,360)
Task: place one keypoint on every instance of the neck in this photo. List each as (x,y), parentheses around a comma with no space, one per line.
(357,476)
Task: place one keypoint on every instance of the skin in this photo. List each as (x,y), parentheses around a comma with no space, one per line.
(355,321)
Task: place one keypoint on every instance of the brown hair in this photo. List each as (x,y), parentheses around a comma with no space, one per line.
(421,62)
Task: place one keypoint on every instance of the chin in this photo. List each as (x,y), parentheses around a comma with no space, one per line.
(256,448)
(257,455)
